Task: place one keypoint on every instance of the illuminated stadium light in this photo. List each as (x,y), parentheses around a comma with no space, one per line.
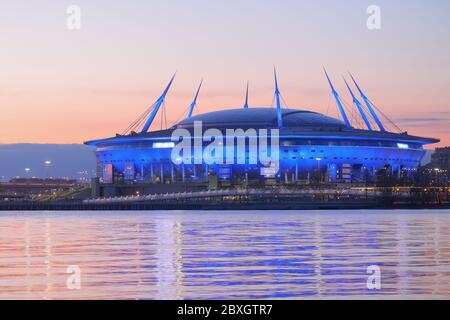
(163,145)
(402,145)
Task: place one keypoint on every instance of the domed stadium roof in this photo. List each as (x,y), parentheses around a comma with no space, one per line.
(260,117)
(295,122)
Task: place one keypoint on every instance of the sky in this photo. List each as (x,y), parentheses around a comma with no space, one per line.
(69,86)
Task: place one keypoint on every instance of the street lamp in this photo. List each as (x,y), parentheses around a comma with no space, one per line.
(47,164)
(27,170)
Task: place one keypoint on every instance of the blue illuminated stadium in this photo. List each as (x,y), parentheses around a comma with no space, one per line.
(312,147)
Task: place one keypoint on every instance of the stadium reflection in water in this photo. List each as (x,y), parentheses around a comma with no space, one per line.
(160,255)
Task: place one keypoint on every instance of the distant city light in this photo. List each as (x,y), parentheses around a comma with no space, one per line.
(163,145)
(27,170)
(47,162)
(402,145)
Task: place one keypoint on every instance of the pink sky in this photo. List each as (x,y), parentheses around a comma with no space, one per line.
(60,86)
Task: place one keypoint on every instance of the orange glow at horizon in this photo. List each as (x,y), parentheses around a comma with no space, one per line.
(60,86)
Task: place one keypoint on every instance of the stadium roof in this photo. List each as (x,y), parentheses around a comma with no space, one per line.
(261,118)
(296,123)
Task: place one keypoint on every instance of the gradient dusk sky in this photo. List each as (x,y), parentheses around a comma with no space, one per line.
(61,86)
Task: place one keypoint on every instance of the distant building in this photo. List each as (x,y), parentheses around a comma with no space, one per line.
(431,176)
(441,159)
(436,173)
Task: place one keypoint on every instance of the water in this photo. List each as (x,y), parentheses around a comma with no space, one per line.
(230,255)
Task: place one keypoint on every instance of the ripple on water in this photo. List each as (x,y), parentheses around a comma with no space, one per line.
(230,255)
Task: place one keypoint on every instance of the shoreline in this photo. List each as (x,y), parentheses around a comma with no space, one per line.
(214,205)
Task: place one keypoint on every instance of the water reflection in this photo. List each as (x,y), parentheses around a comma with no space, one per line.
(213,255)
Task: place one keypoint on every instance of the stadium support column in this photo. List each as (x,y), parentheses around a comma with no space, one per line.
(296,171)
(396,170)
(338,101)
(278,101)
(95,188)
(172,175)
(206,172)
(332,172)
(162,173)
(182,172)
(359,106)
(152,175)
(156,107)
(246,98)
(194,102)
(367,102)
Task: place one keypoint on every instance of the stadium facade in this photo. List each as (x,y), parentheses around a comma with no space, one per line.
(312,148)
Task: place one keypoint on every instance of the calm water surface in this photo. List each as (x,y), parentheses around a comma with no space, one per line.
(213,255)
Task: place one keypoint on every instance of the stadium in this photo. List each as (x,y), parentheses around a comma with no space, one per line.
(312,149)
